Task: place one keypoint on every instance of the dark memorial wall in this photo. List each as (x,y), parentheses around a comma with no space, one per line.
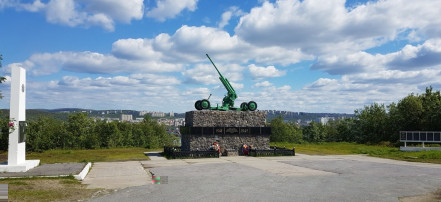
(226,130)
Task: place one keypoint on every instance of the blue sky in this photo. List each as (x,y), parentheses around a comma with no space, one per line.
(310,55)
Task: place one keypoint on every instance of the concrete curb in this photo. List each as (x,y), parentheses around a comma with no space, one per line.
(84,172)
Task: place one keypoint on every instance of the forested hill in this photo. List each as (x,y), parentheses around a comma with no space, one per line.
(34,114)
(63,113)
(303,116)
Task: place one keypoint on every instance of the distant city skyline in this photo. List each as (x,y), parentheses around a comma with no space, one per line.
(301,56)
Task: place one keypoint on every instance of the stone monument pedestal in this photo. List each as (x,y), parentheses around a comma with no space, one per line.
(231,129)
(17,136)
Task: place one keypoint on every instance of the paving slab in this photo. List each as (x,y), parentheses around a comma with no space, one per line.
(117,175)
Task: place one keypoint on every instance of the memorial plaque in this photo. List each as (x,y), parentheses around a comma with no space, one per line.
(416,136)
(208,130)
(22,131)
(255,130)
(196,130)
(266,130)
(232,130)
(219,130)
(244,131)
(429,136)
(403,136)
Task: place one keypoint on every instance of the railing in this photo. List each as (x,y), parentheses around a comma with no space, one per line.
(273,152)
(420,136)
(176,153)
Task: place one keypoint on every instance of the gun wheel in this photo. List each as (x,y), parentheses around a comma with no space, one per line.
(252,106)
(198,105)
(244,106)
(205,104)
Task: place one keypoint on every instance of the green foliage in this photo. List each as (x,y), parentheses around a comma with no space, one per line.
(2,78)
(82,132)
(372,124)
(284,132)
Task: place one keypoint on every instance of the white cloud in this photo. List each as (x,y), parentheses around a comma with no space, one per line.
(326,26)
(119,10)
(92,63)
(64,12)
(137,91)
(207,75)
(417,57)
(264,72)
(226,16)
(36,6)
(170,9)
(189,44)
(85,13)
(263,84)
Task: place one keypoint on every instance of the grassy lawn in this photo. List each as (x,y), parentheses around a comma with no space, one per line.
(83,155)
(342,148)
(96,155)
(48,189)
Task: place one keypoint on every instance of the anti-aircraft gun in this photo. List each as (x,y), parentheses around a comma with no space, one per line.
(228,101)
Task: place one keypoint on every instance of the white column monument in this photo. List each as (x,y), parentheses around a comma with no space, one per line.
(17,146)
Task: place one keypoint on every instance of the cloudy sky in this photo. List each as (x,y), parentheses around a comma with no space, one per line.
(309,56)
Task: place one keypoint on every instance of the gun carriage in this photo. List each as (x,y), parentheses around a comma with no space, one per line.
(228,101)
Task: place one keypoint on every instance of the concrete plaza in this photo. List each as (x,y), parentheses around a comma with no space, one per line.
(297,178)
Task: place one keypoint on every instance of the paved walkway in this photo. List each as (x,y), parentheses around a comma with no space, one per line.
(117,175)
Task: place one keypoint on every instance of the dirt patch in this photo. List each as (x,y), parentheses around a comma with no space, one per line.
(430,197)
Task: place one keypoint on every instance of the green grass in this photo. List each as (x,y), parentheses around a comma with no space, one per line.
(96,155)
(47,189)
(344,148)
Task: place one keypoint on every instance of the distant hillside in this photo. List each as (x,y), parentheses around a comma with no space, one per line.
(63,114)
(304,117)
(33,114)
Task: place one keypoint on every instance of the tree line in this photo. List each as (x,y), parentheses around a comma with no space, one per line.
(82,132)
(371,125)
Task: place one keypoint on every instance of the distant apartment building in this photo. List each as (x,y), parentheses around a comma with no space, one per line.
(158,114)
(143,113)
(325,120)
(172,122)
(126,117)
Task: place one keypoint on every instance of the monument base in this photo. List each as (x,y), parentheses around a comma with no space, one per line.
(29,164)
(230,139)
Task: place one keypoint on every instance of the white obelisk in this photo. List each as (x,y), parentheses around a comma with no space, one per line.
(17,148)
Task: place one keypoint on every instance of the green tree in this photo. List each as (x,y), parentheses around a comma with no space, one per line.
(284,132)
(44,134)
(407,115)
(4,120)
(81,133)
(431,103)
(2,78)
(314,132)
(372,123)
(346,130)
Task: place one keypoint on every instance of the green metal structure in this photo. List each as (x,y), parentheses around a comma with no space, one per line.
(228,101)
